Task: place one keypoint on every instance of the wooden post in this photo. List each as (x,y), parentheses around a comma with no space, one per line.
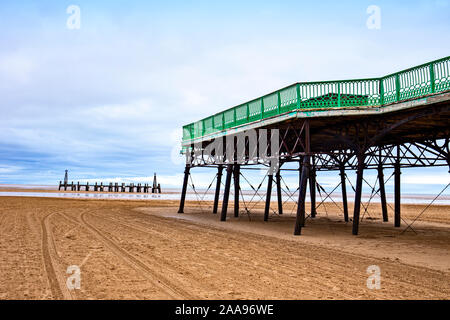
(344,192)
(279,194)
(218,183)
(236,173)
(226,194)
(357,207)
(183,191)
(268,195)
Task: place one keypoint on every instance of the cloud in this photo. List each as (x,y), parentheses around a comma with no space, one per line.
(109,100)
(7,169)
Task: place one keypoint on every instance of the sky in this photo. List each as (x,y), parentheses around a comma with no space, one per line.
(107,100)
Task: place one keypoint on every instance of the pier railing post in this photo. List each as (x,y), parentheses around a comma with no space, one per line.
(183,191)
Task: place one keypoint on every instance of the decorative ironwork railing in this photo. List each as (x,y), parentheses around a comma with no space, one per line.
(416,82)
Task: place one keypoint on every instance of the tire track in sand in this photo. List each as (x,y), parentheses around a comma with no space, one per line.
(262,267)
(52,268)
(156,278)
(337,269)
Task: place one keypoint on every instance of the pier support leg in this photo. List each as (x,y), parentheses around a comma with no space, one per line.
(382,193)
(226,194)
(218,183)
(300,219)
(236,173)
(279,195)
(344,192)
(357,208)
(268,195)
(312,191)
(183,191)
(397,192)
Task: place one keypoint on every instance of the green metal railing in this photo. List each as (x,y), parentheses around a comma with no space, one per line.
(416,82)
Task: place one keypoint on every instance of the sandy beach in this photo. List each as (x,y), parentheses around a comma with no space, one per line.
(145,250)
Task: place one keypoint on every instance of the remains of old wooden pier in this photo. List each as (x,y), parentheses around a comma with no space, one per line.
(401,120)
(110,187)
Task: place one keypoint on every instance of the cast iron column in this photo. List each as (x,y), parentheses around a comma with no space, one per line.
(312,189)
(226,194)
(236,173)
(268,194)
(344,192)
(279,195)
(218,182)
(397,190)
(359,180)
(183,191)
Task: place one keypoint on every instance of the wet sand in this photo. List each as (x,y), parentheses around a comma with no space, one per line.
(145,250)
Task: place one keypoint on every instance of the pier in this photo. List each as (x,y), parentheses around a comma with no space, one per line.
(401,120)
